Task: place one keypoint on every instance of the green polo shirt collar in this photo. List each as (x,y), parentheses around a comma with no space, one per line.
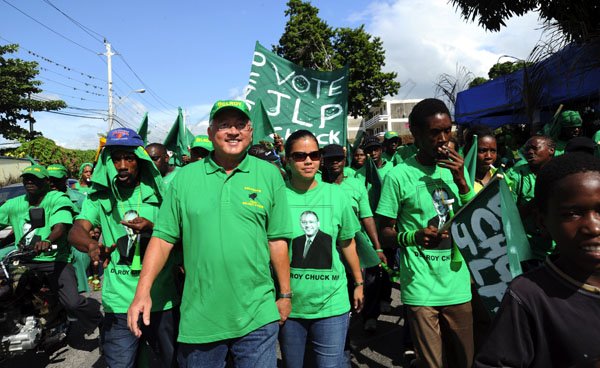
(212,167)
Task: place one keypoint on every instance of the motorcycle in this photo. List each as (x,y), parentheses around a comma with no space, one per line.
(31,316)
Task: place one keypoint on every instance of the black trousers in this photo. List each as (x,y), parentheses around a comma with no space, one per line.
(61,276)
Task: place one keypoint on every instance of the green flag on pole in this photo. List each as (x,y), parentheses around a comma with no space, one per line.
(143,129)
(178,140)
(261,123)
(373,181)
(471,161)
(299,98)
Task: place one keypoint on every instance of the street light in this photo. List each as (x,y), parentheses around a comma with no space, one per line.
(111,114)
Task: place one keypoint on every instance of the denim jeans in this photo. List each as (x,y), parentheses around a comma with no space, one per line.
(256,349)
(326,335)
(121,346)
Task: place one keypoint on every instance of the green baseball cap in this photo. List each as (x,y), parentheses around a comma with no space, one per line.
(202,141)
(35,170)
(390,135)
(229,104)
(569,119)
(57,171)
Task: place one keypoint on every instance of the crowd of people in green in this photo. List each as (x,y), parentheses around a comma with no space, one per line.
(247,247)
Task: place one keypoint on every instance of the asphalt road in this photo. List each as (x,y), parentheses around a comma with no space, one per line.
(369,350)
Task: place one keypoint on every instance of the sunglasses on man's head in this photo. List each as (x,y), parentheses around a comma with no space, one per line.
(301,156)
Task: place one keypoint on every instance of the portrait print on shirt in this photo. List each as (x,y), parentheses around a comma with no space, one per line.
(443,205)
(126,244)
(314,248)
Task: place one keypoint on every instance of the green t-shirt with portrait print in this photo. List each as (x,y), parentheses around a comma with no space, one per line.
(120,281)
(321,217)
(359,200)
(58,209)
(224,222)
(414,195)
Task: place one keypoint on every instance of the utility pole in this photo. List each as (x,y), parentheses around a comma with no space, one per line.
(109,55)
(30,119)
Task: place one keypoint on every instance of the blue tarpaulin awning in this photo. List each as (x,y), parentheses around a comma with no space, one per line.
(569,76)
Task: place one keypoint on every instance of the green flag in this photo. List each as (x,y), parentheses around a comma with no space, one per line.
(178,140)
(299,98)
(261,123)
(143,129)
(489,233)
(471,161)
(373,181)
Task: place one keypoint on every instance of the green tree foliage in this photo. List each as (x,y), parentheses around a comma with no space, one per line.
(46,152)
(500,69)
(17,85)
(477,81)
(577,20)
(368,85)
(306,40)
(309,42)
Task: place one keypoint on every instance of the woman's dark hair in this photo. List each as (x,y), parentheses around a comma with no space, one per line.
(298,134)
(476,130)
(558,168)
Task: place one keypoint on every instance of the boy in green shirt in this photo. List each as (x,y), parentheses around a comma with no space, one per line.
(230,213)
(416,199)
(127,192)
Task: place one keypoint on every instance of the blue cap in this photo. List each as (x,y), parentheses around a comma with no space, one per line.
(123,137)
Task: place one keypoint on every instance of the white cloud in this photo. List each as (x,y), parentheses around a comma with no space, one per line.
(425,38)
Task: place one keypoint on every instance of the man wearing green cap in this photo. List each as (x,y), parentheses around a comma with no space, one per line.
(230,213)
(201,147)
(391,142)
(128,192)
(58,212)
(570,127)
(57,178)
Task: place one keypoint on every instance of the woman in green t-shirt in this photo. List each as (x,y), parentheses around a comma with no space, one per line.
(487,154)
(84,184)
(324,224)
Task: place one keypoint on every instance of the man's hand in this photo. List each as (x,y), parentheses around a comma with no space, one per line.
(99,254)
(139,225)
(430,237)
(455,163)
(277,143)
(284,306)
(42,246)
(358,298)
(382,257)
(141,304)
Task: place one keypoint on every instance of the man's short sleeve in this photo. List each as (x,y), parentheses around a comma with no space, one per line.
(364,208)
(61,212)
(168,222)
(389,202)
(90,211)
(350,224)
(4,209)
(279,223)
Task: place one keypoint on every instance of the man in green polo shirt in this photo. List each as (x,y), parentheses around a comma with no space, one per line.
(127,193)
(58,211)
(417,198)
(391,142)
(230,212)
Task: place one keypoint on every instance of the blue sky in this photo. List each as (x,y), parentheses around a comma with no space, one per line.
(191,53)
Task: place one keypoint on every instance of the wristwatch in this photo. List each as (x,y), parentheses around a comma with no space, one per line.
(285,295)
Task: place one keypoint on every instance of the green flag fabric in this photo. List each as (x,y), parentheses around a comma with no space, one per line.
(298,98)
(471,161)
(373,181)
(261,124)
(489,233)
(143,129)
(178,140)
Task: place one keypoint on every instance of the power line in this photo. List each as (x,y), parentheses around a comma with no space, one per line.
(75,97)
(87,30)
(75,88)
(73,79)
(50,29)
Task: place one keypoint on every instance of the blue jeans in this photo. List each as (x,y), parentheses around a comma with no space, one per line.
(327,337)
(256,349)
(121,346)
